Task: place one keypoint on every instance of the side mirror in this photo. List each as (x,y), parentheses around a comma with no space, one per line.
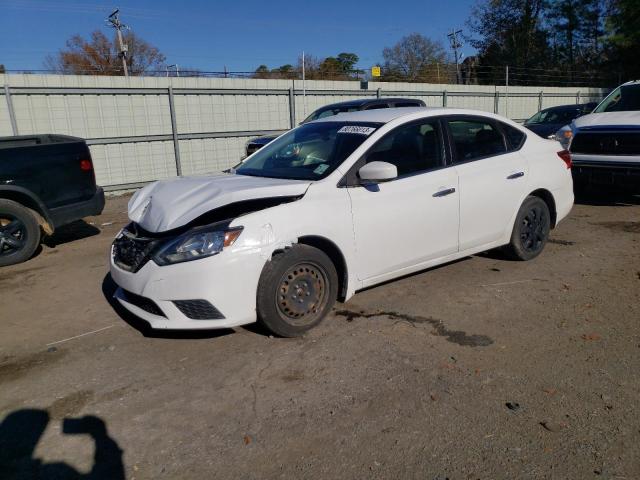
(378,172)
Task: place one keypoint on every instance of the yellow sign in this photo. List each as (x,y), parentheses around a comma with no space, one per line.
(375,71)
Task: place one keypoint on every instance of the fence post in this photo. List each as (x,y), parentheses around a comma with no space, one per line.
(540,96)
(174,131)
(444,98)
(12,113)
(292,108)
(496,100)
(578,98)
(378,92)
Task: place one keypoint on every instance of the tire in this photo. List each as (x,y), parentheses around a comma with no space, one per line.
(531,230)
(296,291)
(19,233)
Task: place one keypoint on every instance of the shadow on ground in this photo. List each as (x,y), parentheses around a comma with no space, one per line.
(69,233)
(109,287)
(21,430)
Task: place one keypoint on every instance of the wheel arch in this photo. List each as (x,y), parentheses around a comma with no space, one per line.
(547,197)
(31,201)
(335,254)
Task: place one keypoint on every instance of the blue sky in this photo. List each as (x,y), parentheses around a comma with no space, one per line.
(237,34)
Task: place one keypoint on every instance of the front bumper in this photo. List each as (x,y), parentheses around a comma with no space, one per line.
(70,213)
(606,173)
(228,282)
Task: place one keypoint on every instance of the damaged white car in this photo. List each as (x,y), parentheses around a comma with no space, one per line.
(332,207)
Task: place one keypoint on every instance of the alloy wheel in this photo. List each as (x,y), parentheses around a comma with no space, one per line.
(13,235)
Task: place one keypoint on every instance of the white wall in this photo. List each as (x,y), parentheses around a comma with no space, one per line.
(106,115)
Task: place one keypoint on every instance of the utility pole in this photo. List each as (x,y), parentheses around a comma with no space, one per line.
(455,46)
(114,21)
(304,88)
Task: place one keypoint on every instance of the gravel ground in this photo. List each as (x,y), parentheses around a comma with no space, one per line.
(480,369)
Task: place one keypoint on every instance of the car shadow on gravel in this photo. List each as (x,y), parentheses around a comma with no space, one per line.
(69,233)
(109,287)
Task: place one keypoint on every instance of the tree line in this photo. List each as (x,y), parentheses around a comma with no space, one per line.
(542,42)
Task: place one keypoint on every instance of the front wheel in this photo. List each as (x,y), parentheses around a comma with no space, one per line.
(19,233)
(531,230)
(296,291)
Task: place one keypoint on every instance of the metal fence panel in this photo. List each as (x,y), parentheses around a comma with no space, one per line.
(127,121)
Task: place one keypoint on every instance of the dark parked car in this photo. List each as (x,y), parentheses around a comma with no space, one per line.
(548,121)
(46,181)
(336,108)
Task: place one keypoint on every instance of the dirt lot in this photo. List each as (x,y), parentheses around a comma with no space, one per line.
(483,368)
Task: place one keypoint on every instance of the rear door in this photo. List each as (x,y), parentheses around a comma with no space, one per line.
(492,176)
(413,218)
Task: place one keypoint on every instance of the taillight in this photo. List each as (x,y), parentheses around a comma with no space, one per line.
(565,155)
(86,165)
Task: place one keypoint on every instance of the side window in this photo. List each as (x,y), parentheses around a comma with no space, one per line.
(514,136)
(376,106)
(324,113)
(474,139)
(407,104)
(411,148)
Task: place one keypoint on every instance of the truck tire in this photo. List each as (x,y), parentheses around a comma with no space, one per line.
(19,233)
(297,289)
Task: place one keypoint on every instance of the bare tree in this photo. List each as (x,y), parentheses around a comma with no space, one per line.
(412,58)
(99,56)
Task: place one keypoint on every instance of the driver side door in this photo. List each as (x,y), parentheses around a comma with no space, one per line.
(412,219)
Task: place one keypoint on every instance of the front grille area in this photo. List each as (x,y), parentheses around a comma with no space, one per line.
(198,310)
(144,303)
(607,143)
(131,251)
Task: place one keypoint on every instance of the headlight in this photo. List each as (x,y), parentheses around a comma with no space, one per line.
(197,243)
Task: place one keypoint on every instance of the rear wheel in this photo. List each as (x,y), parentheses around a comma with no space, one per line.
(296,291)
(531,230)
(19,233)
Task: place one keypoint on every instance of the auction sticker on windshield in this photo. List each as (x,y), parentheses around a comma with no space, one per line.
(357,129)
(320,169)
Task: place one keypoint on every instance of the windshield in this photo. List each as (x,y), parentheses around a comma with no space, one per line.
(623,99)
(310,152)
(329,112)
(564,115)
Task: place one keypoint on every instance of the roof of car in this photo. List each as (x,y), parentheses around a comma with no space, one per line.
(370,101)
(570,106)
(382,115)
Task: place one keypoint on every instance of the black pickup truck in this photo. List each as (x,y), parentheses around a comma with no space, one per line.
(46,181)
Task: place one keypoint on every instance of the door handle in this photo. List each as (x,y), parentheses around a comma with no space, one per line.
(515,175)
(445,192)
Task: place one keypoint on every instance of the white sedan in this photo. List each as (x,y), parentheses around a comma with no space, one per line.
(332,207)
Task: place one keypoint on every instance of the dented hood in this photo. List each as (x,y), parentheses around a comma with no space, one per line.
(608,120)
(170,204)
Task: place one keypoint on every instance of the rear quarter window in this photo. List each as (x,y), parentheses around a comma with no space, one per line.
(515,137)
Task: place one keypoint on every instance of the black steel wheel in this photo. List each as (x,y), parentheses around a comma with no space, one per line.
(531,229)
(296,291)
(19,233)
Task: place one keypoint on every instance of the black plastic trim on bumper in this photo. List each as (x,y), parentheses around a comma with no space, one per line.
(198,310)
(618,174)
(143,303)
(70,213)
